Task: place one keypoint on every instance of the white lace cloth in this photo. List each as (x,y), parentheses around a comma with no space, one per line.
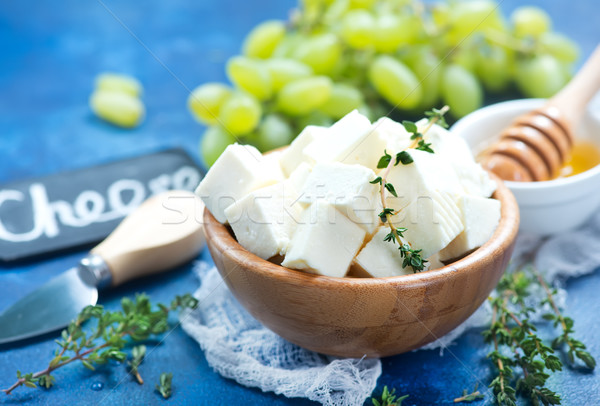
(240,348)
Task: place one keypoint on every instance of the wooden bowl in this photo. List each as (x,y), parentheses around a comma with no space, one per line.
(352,317)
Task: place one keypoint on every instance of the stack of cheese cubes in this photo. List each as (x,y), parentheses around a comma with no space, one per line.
(312,204)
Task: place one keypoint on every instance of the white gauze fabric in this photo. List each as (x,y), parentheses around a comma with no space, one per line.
(239,347)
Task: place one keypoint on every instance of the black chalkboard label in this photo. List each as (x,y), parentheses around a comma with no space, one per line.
(72,209)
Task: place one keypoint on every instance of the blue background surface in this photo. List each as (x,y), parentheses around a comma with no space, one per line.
(50,53)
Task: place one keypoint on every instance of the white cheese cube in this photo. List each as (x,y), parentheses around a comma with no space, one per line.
(480,217)
(236,173)
(396,137)
(425,174)
(298,178)
(270,167)
(350,140)
(474,179)
(380,258)
(347,188)
(447,144)
(325,241)
(430,225)
(265,220)
(433,262)
(293,155)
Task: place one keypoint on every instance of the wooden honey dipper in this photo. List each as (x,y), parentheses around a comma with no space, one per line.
(538,144)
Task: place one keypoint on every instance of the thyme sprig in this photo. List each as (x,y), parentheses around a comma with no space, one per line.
(511,332)
(388,398)
(411,257)
(469,397)
(137,320)
(137,353)
(164,385)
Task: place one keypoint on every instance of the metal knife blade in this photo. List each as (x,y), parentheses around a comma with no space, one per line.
(160,234)
(48,308)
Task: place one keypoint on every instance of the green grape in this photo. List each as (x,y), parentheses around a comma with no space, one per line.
(287,46)
(362,3)
(358,28)
(283,71)
(250,75)
(393,31)
(273,132)
(460,90)
(335,12)
(118,108)
(465,56)
(468,17)
(119,83)
(493,68)
(320,52)
(213,143)
(395,82)
(428,69)
(205,101)
(541,76)
(343,99)
(559,46)
(314,118)
(240,114)
(530,21)
(304,95)
(263,39)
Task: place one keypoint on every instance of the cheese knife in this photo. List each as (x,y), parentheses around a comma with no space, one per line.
(162,233)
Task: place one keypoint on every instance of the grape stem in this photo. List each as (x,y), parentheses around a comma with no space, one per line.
(507,41)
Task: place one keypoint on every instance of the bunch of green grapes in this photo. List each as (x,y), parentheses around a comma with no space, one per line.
(383,57)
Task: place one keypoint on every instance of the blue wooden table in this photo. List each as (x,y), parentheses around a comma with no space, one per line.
(50,53)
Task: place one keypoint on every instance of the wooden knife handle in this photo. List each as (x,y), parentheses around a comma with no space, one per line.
(163,232)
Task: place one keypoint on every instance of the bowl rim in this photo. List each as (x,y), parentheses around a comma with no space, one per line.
(510,105)
(222,238)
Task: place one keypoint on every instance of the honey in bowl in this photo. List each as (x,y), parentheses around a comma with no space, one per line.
(584,156)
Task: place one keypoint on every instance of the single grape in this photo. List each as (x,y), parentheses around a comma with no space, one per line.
(343,99)
(119,83)
(213,143)
(493,67)
(205,101)
(250,75)
(467,17)
(530,21)
(240,113)
(320,52)
(392,31)
(428,69)
(304,95)
(559,46)
(288,44)
(263,39)
(395,82)
(358,28)
(362,3)
(460,90)
(335,11)
(273,132)
(284,71)
(118,108)
(540,76)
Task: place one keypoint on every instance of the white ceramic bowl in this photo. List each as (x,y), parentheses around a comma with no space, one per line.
(547,207)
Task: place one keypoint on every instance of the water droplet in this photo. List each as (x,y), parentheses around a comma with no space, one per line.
(96,386)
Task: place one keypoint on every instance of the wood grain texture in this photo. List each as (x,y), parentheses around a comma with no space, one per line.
(352,317)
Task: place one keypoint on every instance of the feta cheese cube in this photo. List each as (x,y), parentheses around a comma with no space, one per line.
(236,173)
(298,178)
(430,225)
(396,137)
(474,179)
(447,144)
(325,241)
(347,188)
(265,220)
(271,170)
(350,140)
(379,258)
(293,155)
(425,174)
(480,217)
